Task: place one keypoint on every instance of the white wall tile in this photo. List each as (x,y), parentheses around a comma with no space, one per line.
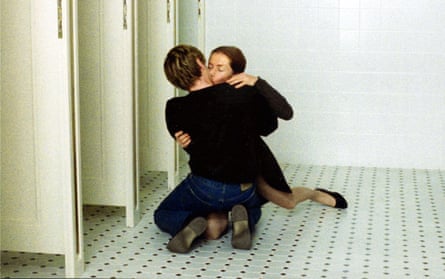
(365,78)
(349,19)
(350,4)
(328,3)
(328,18)
(307,3)
(392,4)
(349,40)
(308,18)
(370,19)
(369,4)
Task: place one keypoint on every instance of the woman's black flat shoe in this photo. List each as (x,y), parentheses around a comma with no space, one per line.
(340,202)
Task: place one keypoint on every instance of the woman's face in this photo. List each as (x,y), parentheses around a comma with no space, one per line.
(219,67)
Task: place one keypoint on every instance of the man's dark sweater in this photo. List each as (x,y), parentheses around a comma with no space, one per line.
(225,125)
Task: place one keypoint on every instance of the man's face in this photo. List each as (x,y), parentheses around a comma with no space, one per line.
(219,68)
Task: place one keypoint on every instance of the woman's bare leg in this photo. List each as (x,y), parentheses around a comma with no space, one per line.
(217,223)
(298,195)
(302,193)
(286,200)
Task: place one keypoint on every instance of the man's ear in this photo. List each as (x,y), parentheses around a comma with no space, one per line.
(201,65)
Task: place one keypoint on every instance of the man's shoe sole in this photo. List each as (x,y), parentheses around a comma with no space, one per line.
(241,236)
(182,241)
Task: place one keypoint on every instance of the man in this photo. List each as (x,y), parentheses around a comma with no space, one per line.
(225,124)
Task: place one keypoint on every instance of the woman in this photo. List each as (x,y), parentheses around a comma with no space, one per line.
(227,64)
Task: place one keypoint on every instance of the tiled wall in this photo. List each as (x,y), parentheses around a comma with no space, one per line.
(366,78)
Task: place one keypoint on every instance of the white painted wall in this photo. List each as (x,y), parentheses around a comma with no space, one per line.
(366,78)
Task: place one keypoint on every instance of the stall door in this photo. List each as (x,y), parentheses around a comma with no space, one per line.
(107,104)
(161,25)
(156,36)
(39,192)
(190,30)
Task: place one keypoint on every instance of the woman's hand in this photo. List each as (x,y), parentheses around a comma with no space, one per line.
(183,139)
(239,80)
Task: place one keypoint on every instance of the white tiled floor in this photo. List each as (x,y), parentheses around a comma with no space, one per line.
(394,228)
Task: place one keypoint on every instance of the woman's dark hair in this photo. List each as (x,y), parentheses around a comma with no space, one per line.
(237,59)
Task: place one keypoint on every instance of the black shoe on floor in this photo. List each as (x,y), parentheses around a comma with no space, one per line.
(340,201)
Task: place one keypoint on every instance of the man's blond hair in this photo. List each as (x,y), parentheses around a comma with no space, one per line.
(181,67)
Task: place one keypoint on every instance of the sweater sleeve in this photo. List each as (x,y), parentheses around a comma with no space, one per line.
(173,117)
(267,119)
(276,101)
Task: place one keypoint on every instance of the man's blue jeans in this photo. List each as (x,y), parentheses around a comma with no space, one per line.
(197,196)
